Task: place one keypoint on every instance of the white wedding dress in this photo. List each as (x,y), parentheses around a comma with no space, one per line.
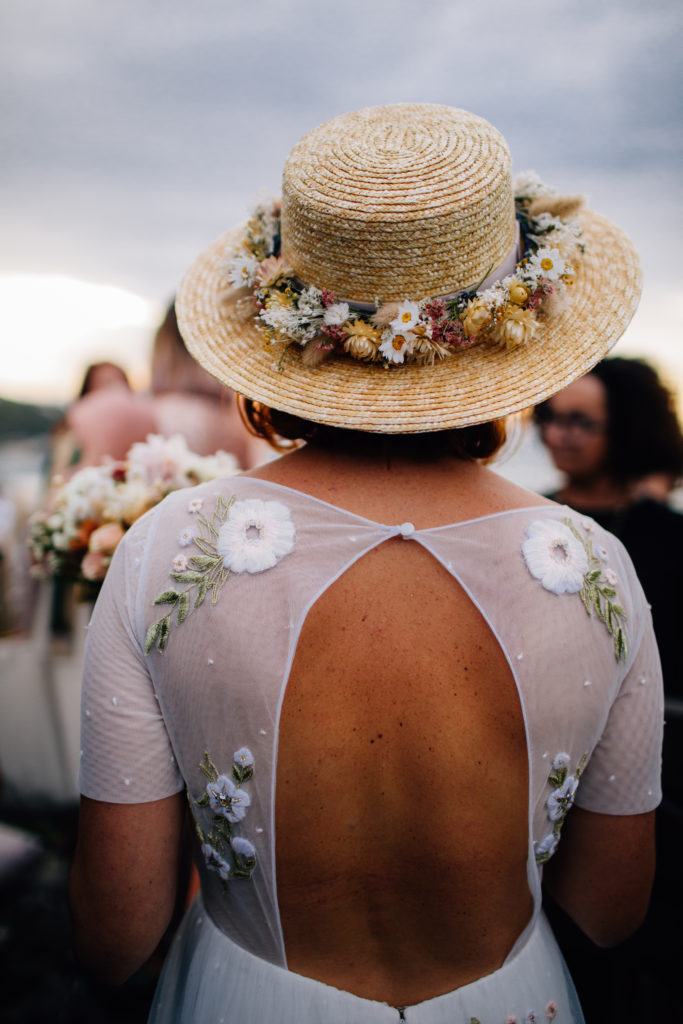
(203,714)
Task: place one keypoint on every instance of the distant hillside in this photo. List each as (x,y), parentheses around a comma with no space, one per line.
(21,419)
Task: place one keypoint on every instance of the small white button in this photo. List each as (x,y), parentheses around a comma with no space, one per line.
(407,529)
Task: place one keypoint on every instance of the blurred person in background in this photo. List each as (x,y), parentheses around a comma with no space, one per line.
(105,420)
(189,401)
(615,435)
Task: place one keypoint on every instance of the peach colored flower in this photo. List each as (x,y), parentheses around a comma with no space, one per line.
(94,565)
(106,538)
(269,271)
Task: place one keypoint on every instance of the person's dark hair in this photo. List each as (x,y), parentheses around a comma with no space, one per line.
(283,432)
(643,432)
(92,371)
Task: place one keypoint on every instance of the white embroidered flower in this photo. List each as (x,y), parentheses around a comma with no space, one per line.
(215,862)
(256,535)
(180,563)
(243,849)
(225,798)
(544,849)
(554,556)
(602,553)
(562,798)
(185,537)
(406,319)
(560,761)
(337,314)
(243,757)
(611,577)
(195,505)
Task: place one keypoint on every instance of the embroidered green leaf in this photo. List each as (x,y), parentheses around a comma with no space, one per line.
(164,629)
(201,592)
(152,636)
(203,800)
(209,768)
(242,774)
(204,561)
(598,595)
(167,597)
(188,576)
(183,606)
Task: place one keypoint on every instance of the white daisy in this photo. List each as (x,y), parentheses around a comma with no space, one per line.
(225,798)
(337,314)
(185,537)
(554,556)
(242,269)
(394,347)
(256,535)
(548,263)
(406,318)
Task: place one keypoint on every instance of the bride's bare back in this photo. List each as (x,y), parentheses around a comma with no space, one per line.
(402,786)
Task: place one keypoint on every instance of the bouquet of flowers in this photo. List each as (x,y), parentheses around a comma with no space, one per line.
(89,514)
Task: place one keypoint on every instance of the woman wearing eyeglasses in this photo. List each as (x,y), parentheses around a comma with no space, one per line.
(615,435)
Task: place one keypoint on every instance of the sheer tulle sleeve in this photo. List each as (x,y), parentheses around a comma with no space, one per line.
(623,774)
(126,754)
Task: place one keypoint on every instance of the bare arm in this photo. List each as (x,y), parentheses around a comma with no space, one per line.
(602,872)
(123,882)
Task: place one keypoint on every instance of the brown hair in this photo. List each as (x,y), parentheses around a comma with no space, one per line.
(284,432)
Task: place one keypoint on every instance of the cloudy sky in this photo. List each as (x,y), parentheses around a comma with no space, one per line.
(135,132)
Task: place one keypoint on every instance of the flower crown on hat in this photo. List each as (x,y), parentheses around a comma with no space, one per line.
(503,314)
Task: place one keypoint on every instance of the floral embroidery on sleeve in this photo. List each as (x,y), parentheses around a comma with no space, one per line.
(565,562)
(559,802)
(239,536)
(230,855)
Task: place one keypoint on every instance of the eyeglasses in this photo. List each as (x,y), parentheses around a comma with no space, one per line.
(571,422)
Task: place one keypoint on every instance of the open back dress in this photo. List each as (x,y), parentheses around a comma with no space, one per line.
(188,656)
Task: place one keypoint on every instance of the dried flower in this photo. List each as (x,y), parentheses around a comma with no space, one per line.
(515,327)
(477,317)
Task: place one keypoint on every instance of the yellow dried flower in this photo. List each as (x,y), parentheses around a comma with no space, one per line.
(513,327)
(477,317)
(519,293)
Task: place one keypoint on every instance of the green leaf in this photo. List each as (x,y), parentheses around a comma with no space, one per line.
(167,597)
(204,561)
(151,636)
(183,606)
(164,629)
(201,592)
(189,576)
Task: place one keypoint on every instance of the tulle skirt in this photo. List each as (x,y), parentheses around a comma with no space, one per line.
(208,979)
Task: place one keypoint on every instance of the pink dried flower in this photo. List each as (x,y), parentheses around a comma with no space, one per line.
(334,331)
(435,309)
(328,298)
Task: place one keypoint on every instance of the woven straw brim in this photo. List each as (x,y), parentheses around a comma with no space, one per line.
(473,386)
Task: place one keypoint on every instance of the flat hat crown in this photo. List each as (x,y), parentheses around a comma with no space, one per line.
(398,202)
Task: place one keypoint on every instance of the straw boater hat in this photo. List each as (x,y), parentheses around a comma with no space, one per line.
(404,299)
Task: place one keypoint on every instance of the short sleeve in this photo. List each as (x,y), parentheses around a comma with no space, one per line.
(623,775)
(126,753)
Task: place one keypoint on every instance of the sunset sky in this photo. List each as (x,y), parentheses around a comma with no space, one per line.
(134,133)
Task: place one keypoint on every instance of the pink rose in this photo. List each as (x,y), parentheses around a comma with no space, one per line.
(94,565)
(105,538)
